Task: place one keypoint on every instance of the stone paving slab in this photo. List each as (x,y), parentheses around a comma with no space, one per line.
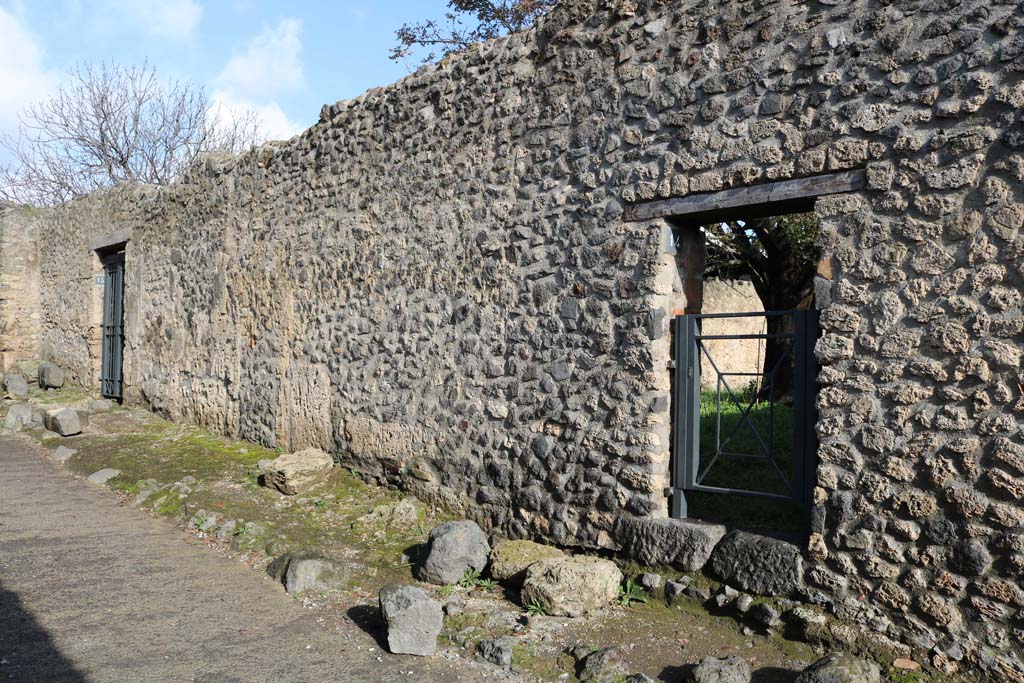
(93,591)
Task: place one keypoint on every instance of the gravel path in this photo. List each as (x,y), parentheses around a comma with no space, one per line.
(93,591)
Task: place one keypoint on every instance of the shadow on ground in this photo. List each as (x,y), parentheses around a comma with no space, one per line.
(369,620)
(768,674)
(27,652)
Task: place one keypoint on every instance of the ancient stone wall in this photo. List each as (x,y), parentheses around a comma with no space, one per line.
(437,283)
(19,287)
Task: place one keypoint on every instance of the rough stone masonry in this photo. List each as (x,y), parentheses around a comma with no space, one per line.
(436,283)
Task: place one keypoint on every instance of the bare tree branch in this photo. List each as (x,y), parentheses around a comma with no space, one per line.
(113,124)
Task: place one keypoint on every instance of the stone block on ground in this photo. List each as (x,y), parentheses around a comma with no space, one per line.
(454,547)
(497,651)
(571,586)
(298,472)
(510,559)
(400,514)
(19,415)
(64,421)
(682,543)
(62,454)
(101,405)
(604,666)
(50,376)
(731,669)
(413,620)
(16,385)
(839,667)
(318,574)
(758,564)
(103,476)
(651,582)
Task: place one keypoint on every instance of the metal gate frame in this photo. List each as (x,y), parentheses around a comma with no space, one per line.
(686,417)
(111,374)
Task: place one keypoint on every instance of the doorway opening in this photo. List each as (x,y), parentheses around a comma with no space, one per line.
(112,371)
(744,374)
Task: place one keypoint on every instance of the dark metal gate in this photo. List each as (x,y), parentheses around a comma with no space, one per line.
(752,442)
(111,380)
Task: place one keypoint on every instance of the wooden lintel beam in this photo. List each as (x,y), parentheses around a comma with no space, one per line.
(753,195)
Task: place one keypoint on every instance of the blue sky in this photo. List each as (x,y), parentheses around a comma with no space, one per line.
(281,59)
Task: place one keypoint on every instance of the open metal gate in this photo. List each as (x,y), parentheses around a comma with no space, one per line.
(752,441)
(111,377)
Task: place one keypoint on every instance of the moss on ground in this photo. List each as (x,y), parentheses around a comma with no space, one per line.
(543,664)
(223,480)
(346,518)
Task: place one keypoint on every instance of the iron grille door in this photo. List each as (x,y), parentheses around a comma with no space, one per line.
(111,379)
(786,461)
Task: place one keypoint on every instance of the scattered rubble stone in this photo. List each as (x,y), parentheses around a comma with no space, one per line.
(64,421)
(730,669)
(510,559)
(144,489)
(805,624)
(50,376)
(413,620)
(758,564)
(454,547)
(16,385)
(308,572)
(840,667)
(19,415)
(571,586)
(764,616)
(675,591)
(497,651)
(400,514)
(603,666)
(61,454)
(639,678)
(651,582)
(294,473)
(101,405)
(103,476)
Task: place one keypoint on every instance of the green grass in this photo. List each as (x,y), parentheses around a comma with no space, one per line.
(725,432)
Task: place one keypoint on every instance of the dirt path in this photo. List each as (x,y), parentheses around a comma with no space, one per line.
(92,591)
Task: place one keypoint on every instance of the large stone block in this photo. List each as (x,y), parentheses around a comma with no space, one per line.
(64,421)
(298,472)
(18,415)
(730,669)
(682,543)
(571,586)
(103,476)
(50,376)
(453,548)
(840,667)
(413,620)
(16,385)
(758,564)
(308,572)
(510,559)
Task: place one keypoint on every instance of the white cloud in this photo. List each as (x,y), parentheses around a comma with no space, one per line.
(23,80)
(274,124)
(269,66)
(252,79)
(172,19)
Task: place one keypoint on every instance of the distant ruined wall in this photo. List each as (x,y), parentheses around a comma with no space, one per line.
(436,283)
(733,355)
(19,286)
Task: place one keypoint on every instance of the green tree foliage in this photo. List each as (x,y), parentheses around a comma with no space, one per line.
(465,23)
(780,255)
